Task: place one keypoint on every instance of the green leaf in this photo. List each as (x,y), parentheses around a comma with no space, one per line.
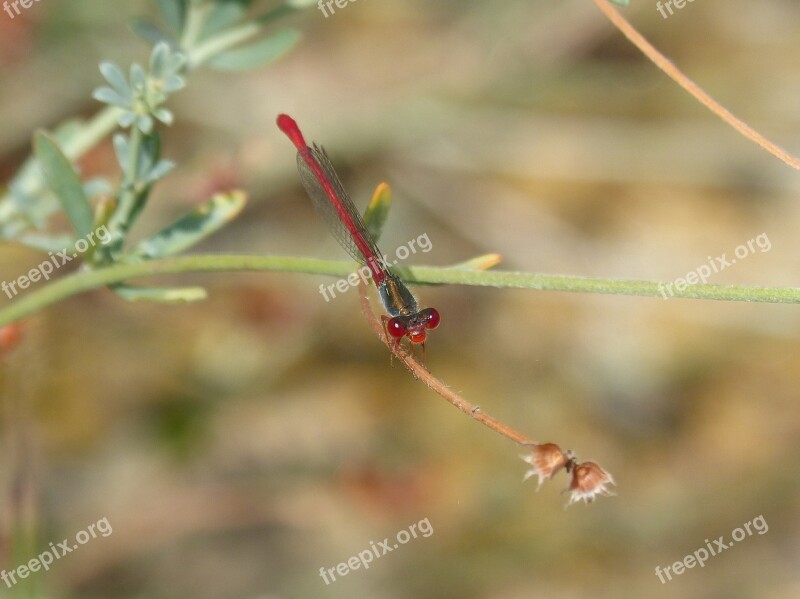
(27,193)
(147,31)
(116,78)
(378,210)
(120,143)
(30,197)
(193,227)
(138,78)
(164,115)
(174,14)
(159,58)
(46,243)
(63,180)
(111,97)
(168,295)
(222,16)
(262,52)
(159,171)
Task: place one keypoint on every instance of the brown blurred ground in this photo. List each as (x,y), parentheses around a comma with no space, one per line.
(239,444)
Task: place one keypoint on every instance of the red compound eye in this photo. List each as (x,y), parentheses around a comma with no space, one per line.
(396,328)
(432,318)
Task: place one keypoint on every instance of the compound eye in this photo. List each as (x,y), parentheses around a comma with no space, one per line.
(396,328)
(431,317)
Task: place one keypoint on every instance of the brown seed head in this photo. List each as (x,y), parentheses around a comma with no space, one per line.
(546,459)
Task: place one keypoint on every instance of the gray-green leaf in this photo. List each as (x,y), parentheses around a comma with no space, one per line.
(262,52)
(173,13)
(63,180)
(221,17)
(147,31)
(46,243)
(111,96)
(193,227)
(121,150)
(138,77)
(116,78)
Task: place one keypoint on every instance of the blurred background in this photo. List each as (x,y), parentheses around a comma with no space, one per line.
(238,445)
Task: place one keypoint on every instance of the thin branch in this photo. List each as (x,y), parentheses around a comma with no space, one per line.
(663,63)
(588,480)
(436,385)
(85,280)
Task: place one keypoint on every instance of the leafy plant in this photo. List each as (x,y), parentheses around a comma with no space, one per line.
(214,33)
(223,35)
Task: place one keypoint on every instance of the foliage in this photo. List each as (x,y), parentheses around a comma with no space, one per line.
(219,33)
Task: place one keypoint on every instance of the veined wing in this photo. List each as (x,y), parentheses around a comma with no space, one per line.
(337,209)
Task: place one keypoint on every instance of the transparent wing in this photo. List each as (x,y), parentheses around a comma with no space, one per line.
(340,214)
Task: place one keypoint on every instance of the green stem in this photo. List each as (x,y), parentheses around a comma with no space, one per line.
(195,19)
(120,221)
(218,44)
(95,129)
(522,280)
(93,279)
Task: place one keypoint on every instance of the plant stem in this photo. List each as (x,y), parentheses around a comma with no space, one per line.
(674,73)
(116,273)
(218,44)
(195,19)
(95,129)
(120,221)
(436,385)
(498,278)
